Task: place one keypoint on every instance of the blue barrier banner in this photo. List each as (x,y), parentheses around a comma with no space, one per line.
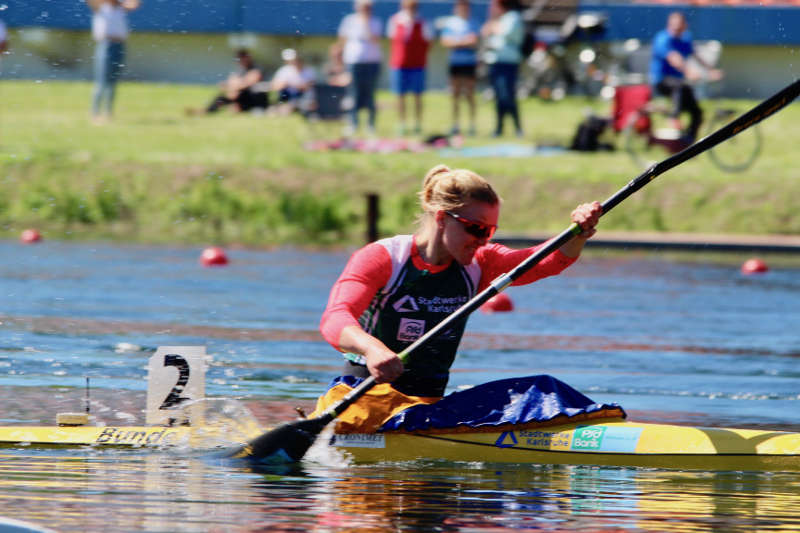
(745,25)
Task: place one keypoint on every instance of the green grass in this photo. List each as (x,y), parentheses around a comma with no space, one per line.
(157,175)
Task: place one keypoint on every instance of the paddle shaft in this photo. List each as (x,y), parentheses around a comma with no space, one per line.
(763,110)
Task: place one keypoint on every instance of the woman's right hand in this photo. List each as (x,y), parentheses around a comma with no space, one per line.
(383,364)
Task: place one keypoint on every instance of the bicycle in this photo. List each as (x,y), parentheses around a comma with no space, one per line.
(648,135)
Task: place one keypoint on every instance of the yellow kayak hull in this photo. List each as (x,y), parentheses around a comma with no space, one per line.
(616,443)
(136,436)
(605,444)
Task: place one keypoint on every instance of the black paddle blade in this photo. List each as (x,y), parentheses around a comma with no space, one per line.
(287,443)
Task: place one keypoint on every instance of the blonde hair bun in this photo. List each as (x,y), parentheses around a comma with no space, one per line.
(445,189)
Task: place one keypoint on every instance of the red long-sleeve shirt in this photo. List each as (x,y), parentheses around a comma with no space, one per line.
(370,269)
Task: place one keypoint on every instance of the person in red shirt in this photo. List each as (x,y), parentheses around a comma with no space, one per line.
(410,37)
(394,290)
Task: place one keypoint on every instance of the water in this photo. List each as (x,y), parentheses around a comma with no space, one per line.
(670,341)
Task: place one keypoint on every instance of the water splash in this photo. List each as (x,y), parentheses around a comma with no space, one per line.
(127,347)
(218,423)
(323,454)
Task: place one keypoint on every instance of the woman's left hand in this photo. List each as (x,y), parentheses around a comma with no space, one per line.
(587,216)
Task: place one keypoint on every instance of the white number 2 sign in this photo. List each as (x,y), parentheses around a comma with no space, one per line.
(175,375)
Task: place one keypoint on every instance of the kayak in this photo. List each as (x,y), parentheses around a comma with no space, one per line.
(613,442)
(607,443)
(527,420)
(128,436)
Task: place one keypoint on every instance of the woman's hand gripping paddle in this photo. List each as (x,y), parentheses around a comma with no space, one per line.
(289,442)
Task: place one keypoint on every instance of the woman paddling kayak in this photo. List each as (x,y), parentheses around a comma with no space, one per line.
(394,290)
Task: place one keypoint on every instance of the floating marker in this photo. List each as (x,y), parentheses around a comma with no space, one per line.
(30,236)
(754,266)
(213,256)
(499,303)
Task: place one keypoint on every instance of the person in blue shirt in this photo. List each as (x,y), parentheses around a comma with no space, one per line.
(672,47)
(459,33)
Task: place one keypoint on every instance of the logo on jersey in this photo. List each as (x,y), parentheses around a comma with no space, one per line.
(406,304)
(410,329)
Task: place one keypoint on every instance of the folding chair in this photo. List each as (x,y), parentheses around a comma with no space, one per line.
(326,106)
(629,100)
(329,101)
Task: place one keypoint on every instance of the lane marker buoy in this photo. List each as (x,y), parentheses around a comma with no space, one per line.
(213,256)
(30,236)
(499,303)
(754,266)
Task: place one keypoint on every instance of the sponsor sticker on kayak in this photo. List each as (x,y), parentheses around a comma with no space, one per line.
(537,438)
(605,439)
(360,440)
(137,437)
(582,438)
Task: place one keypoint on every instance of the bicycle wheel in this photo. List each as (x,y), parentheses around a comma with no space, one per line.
(740,151)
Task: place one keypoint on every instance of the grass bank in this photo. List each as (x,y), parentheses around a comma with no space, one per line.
(157,175)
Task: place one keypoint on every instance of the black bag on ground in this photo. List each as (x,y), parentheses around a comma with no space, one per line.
(587,137)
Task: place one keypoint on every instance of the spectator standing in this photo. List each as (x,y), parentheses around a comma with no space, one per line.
(459,33)
(411,37)
(110,31)
(503,34)
(3,37)
(3,43)
(239,88)
(359,36)
(672,47)
(293,82)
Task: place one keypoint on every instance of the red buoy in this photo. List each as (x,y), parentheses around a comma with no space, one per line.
(754,266)
(499,303)
(30,236)
(213,256)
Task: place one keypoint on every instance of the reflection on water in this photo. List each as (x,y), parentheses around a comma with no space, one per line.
(671,341)
(122,491)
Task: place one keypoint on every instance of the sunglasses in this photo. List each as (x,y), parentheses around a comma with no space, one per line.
(476,229)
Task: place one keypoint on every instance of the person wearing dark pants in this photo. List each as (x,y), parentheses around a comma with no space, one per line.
(364,81)
(359,37)
(459,34)
(503,78)
(683,99)
(503,34)
(669,70)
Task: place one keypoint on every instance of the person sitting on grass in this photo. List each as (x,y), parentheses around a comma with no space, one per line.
(293,83)
(239,89)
